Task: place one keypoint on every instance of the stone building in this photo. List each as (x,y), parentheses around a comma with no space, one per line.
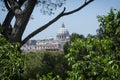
(48,44)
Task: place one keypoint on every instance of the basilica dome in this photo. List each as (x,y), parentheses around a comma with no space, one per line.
(63,33)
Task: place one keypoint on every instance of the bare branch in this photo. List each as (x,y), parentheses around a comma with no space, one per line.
(6,4)
(79,8)
(43,27)
(63,13)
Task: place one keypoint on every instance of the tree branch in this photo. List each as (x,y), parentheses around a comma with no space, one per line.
(6,4)
(79,8)
(63,13)
(22,19)
(9,18)
(43,27)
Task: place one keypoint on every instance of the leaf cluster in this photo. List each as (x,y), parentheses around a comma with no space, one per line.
(43,63)
(98,57)
(11,61)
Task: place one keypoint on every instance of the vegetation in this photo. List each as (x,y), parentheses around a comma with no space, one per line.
(11,61)
(97,57)
(94,59)
(91,58)
(44,63)
(73,37)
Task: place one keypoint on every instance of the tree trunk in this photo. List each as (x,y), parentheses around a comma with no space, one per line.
(6,23)
(8,19)
(22,18)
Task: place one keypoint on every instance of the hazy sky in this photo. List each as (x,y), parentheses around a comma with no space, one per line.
(83,22)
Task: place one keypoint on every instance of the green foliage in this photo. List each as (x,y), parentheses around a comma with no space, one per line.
(45,62)
(73,37)
(97,58)
(11,61)
(109,25)
(47,77)
(66,47)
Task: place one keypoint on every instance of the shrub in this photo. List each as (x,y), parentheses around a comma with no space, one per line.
(11,62)
(43,63)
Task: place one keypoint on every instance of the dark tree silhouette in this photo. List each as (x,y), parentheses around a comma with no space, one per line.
(22,16)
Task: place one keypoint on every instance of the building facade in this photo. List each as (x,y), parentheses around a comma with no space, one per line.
(48,44)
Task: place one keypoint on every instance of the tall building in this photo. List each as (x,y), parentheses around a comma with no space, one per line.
(51,44)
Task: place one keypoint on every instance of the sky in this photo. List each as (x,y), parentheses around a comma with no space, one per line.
(83,22)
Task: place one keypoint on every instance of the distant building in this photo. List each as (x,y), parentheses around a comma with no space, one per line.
(48,44)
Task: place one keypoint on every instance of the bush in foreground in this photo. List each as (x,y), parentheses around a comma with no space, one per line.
(11,61)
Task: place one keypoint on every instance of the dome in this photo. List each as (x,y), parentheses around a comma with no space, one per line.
(62,33)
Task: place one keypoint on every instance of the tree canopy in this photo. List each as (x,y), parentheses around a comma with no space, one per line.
(98,57)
